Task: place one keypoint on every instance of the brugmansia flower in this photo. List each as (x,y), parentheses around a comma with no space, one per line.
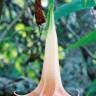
(50,83)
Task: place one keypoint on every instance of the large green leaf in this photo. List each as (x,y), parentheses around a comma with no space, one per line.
(89,38)
(74,6)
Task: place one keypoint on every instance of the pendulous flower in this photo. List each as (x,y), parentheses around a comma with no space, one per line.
(50,83)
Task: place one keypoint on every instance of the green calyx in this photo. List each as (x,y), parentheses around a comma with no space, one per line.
(50,15)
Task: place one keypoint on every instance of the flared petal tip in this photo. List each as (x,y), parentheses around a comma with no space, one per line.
(18,95)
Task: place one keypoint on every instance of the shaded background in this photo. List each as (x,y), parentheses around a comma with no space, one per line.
(22,45)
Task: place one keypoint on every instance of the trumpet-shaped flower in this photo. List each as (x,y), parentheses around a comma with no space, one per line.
(50,83)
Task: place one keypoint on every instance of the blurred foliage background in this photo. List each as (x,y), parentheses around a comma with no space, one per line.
(22,44)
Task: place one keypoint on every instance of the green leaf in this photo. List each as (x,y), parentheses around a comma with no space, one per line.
(85,2)
(92,89)
(89,38)
(74,6)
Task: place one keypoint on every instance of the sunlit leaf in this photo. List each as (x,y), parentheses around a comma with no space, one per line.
(20,26)
(14,53)
(61,53)
(19,2)
(18,67)
(67,1)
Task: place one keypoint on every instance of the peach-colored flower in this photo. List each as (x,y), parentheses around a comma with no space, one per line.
(50,83)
